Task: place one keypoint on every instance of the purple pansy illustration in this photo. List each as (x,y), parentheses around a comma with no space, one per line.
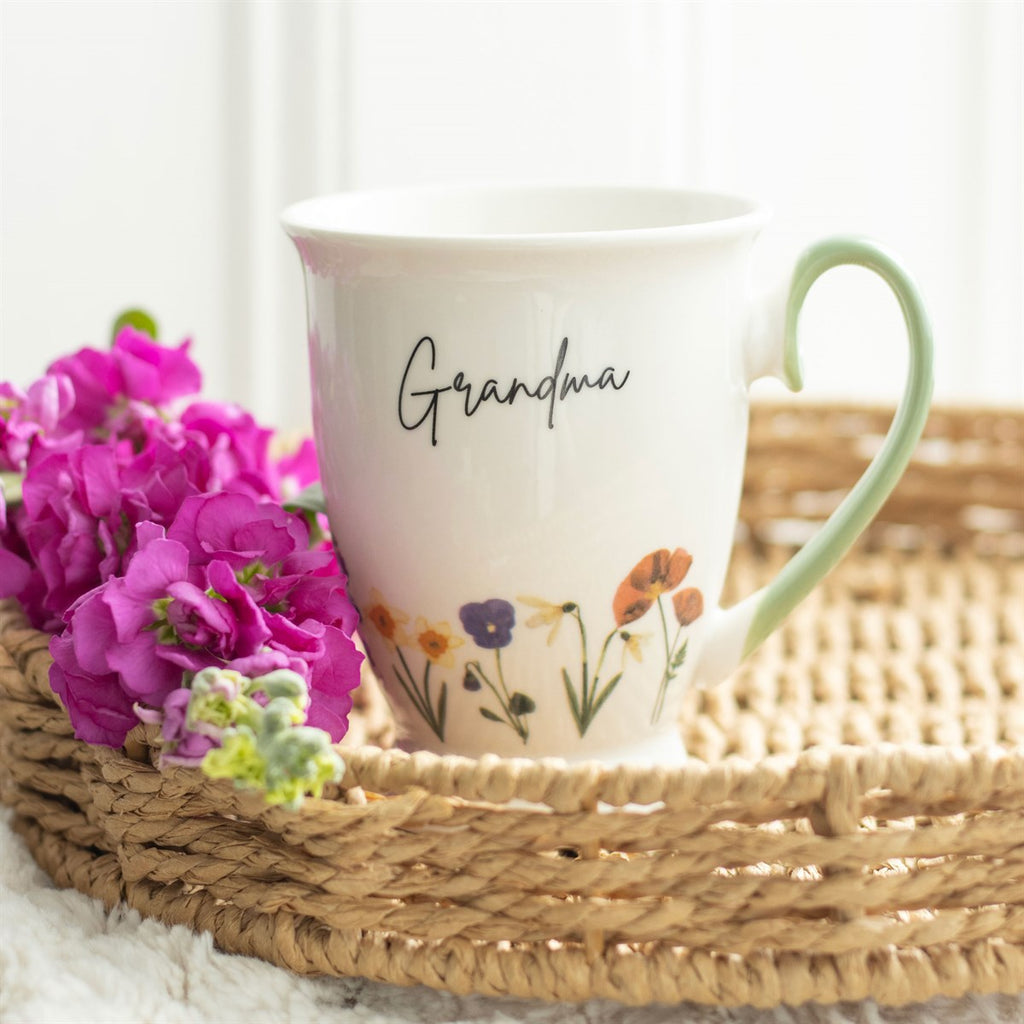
(490,624)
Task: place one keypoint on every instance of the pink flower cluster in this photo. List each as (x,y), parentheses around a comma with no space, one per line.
(152,542)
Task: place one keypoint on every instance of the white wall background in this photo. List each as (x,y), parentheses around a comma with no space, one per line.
(146,149)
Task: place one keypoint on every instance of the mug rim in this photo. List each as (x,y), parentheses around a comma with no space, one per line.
(324,216)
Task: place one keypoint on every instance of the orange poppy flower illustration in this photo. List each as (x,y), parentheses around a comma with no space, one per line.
(436,641)
(688,605)
(656,574)
(387,620)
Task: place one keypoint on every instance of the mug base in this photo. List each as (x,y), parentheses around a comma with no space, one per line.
(665,750)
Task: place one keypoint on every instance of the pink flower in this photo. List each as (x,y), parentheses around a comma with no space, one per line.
(186,603)
(154,373)
(99,709)
(15,572)
(37,415)
(171,618)
(148,538)
(211,624)
(318,592)
(81,508)
(77,521)
(297,470)
(268,660)
(238,446)
(183,745)
(333,677)
(102,454)
(18,575)
(170,467)
(143,633)
(13,443)
(96,383)
(241,531)
(135,369)
(110,630)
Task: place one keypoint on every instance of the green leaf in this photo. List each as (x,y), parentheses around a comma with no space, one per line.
(442,707)
(137,318)
(520,704)
(491,716)
(604,695)
(412,694)
(310,499)
(574,705)
(680,656)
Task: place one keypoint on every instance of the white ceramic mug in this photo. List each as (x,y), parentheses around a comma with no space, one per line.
(530,406)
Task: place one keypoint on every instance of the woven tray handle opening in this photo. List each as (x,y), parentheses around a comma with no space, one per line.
(736,632)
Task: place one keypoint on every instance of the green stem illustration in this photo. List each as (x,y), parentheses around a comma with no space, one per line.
(585,664)
(585,704)
(674,657)
(515,706)
(522,726)
(421,699)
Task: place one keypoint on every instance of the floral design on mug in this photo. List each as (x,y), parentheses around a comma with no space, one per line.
(387,621)
(435,640)
(654,576)
(588,696)
(490,624)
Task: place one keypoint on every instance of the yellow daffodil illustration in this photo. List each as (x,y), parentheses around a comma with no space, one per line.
(547,614)
(386,620)
(437,642)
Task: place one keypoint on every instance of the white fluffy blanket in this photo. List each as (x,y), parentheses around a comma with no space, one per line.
(64,958)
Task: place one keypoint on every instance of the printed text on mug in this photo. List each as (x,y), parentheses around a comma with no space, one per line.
(418,402)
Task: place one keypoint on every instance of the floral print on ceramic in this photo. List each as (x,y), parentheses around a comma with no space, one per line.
(490,625)
(434,641)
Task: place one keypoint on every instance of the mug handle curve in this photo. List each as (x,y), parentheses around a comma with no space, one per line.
(737,631)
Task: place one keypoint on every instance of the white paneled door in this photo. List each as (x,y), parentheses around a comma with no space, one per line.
(146,149)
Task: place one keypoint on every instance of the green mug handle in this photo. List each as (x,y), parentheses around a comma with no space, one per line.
(736,632)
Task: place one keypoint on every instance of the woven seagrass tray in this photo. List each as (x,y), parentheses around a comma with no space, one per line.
(851,823)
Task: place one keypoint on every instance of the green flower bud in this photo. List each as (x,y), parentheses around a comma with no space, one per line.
(280,714)
(238,758)
(300,761)
(276,754)
(282,683)
(218,699)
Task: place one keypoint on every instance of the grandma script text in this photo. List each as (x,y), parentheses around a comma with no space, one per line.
(419,394)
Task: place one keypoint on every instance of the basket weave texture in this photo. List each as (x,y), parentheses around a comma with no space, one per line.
(850,824)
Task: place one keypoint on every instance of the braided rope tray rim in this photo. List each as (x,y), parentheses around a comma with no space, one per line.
(451,872)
